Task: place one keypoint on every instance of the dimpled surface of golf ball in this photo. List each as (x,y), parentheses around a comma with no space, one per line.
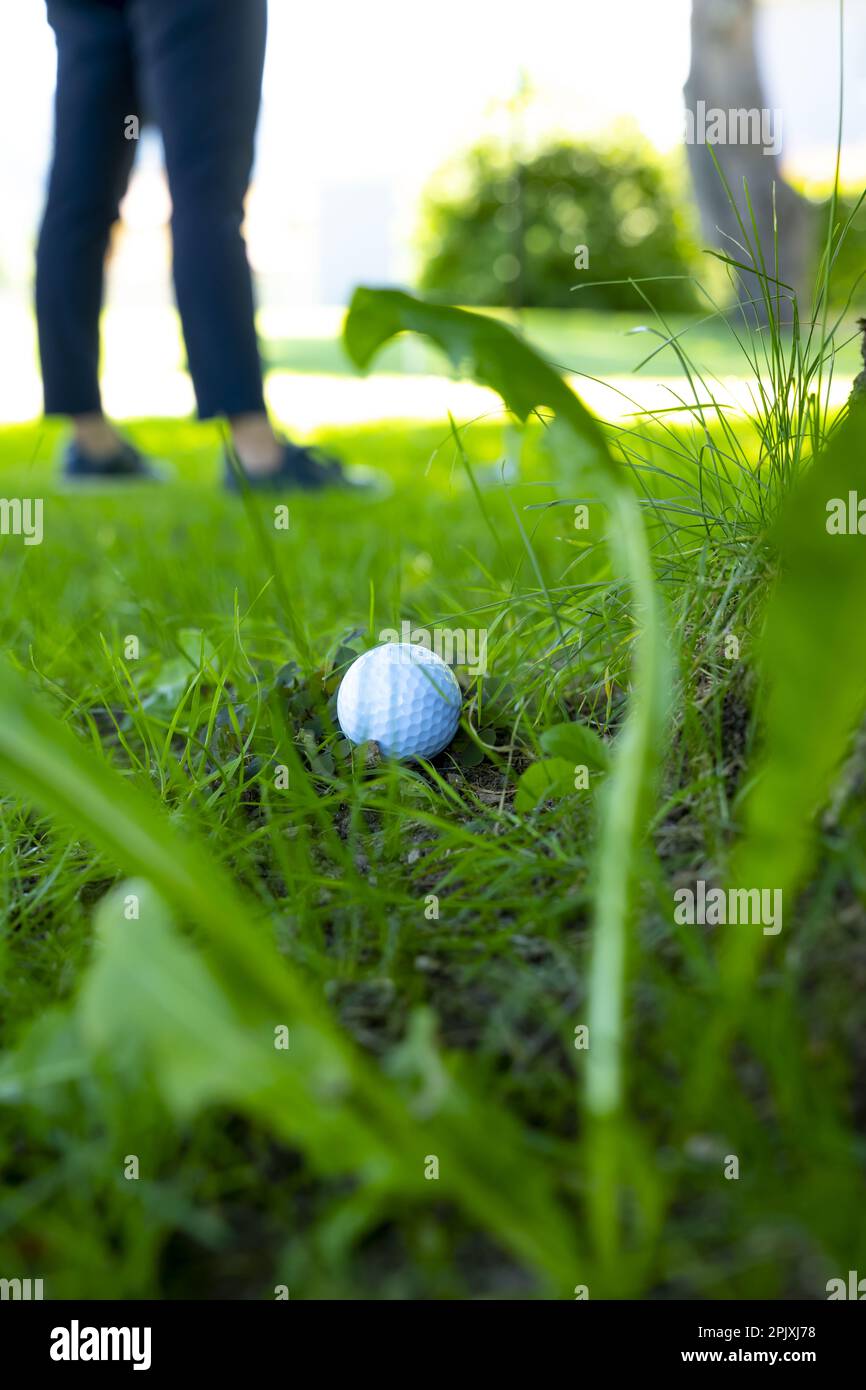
(402,696)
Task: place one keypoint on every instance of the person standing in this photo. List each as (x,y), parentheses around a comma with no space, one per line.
(195,67)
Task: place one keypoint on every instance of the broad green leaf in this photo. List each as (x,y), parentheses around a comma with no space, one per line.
(489,350)
(578,743)
(149,1005)
(51,1053)
(547,780)
(148,998)
(813,661)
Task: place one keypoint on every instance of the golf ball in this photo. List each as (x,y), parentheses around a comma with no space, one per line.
(402,696)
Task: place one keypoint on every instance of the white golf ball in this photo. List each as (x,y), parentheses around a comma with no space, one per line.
(402,696)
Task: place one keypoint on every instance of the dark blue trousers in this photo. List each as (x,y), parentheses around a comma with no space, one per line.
(195,68)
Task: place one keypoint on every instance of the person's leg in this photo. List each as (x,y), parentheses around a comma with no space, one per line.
(201,64)
(96,91)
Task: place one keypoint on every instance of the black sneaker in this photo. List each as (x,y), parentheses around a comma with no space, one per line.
(127,465)
(302,469)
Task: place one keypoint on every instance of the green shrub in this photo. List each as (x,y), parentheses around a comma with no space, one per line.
(499,230)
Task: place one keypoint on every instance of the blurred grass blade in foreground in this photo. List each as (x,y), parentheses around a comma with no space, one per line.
(181,1010)
(498,358)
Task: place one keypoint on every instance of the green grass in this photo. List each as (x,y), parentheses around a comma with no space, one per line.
(579,340)
(432,936)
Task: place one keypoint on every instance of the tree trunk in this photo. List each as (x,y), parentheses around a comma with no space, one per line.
(724,77)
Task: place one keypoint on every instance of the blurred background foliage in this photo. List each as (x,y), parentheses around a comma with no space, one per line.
(504,230)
